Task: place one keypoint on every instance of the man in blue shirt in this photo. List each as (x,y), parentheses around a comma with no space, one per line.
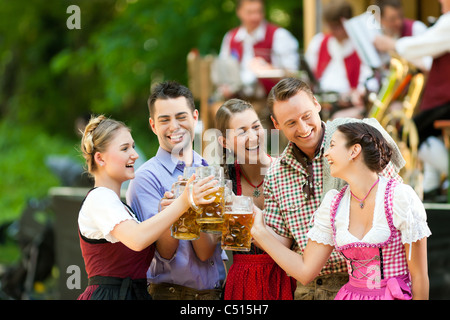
(181,269)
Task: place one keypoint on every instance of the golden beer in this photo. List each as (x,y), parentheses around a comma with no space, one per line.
(212,212)
(213,228)
(236,233)
(216,228)
(186,227)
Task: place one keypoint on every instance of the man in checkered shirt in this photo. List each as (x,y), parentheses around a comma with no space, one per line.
(297,180)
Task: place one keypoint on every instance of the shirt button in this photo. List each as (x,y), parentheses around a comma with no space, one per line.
(211,262)
(319,282)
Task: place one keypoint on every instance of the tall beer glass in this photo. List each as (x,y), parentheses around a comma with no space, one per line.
(216,228)
(186,227)
(238,220)
(212,212)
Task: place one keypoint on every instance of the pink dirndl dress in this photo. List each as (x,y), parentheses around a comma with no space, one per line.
(376,271)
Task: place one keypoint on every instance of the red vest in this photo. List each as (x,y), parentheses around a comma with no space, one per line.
(262,49)
(437,89)
(352,63)
(407,29)
(103,258)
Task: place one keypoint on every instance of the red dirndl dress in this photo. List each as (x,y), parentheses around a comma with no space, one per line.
(115,272)
(255,275)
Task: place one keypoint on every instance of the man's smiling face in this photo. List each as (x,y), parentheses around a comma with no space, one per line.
(299,119)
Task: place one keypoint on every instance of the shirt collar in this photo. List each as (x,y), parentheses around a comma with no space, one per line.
(172,163)
(293,153)
(257,35)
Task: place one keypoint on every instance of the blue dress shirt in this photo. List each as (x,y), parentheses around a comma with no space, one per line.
(144,193)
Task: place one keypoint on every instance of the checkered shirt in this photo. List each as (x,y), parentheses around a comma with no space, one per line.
(288,211)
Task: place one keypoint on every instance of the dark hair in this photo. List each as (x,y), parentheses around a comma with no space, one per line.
(382,4)
(286,89)
(334,11)
(374,148)
(169,90)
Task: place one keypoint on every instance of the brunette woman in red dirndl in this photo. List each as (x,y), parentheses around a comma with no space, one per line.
(253,275)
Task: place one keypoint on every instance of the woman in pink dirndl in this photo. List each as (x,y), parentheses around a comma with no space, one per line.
(378,225)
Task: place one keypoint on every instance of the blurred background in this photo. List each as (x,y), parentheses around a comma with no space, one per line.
(52,78)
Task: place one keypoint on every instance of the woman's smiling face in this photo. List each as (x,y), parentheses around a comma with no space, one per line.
(245,136)
(338,154)
(120,156)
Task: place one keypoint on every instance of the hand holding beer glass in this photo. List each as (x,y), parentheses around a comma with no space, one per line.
(212,212)
(237,224)
(216,228)
(186,227)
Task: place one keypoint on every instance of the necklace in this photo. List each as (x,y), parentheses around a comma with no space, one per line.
(361,201)
(256,192)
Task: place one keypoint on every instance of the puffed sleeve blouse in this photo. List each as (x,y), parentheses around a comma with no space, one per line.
(409,217)
(101,211)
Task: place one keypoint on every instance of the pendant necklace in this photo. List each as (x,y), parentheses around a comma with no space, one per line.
(361,201)
(256,192)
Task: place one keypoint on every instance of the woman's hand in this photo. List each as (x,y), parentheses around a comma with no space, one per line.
(199,192)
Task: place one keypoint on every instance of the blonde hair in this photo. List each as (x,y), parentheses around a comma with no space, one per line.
(96,138)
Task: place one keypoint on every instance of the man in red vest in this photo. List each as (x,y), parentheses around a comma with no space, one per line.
(263,50)
(394,24)
(335,63)
(435,105)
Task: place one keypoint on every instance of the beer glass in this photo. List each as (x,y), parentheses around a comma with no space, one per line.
(238,220)
(188,172)
(204,172)
(216,228)
(186,227)
(212,212)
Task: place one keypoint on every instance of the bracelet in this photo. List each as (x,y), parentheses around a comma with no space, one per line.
(191,197)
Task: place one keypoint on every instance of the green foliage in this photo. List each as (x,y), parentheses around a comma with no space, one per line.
(22,164)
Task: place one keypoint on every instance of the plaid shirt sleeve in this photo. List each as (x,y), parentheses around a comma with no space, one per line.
(389,172)
(273,216)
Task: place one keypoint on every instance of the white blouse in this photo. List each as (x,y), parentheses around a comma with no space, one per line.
(409,217)
(101,211)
